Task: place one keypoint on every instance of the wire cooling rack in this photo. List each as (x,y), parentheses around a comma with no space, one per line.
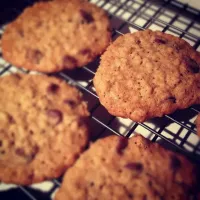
(176,131)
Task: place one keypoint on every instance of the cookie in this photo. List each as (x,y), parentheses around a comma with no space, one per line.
(56,35)
(198,124)
(148,74)
(43,127)
(118,168)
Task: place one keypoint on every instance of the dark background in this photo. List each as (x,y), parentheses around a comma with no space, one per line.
(10,9)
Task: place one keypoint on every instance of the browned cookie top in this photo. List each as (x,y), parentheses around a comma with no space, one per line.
(115,168)
(148,74)
(56,35)
(43,127)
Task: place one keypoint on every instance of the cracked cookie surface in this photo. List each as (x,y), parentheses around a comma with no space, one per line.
(56,35)
(43,127)
(117,168)
(148,74)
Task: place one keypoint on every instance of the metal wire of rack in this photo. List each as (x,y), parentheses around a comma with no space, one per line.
(176,131)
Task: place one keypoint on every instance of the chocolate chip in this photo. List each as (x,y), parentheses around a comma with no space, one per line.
(177,47)
(130,195)
(69,61)
(11,120)
(52,88)
(55,116)
(35,149)
(138,41)
(192,65)
(91,184)
(145,197)
(31,156)
(173,99)
(1,143)
(70,102)
(175,163)
(123,142)
(87,17)
(39,24)
(134,166)
(38,56)
(150,183)
(20,152)
(109,29)
(34,56)
(2,152)
(86,52)
(21,33)
(31,176)
(160,41)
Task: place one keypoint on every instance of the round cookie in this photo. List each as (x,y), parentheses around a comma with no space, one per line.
(119,168)
(148,74)
(43,127)
(56,35)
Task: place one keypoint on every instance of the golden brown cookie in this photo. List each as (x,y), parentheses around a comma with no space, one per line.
(43,127)
(148,74)
(56,35)
(115,168)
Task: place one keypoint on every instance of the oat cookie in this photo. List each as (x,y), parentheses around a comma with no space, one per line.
(148,74)
(43,127)
(56,35)
(118,168)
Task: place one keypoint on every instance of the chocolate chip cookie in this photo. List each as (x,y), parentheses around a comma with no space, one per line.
(43,127)
(148,74)
(118,168)
(56,35)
